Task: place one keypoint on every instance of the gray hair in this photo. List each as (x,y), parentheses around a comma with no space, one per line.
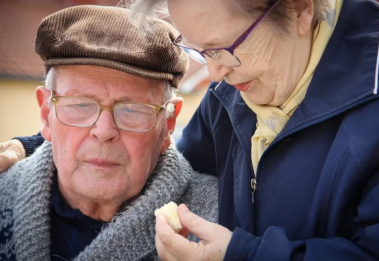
(169,94)
(169,91)
(50,79)
(144,8)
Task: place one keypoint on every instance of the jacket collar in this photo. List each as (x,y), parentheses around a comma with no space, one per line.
(243,119)
(347,72)
(345,77)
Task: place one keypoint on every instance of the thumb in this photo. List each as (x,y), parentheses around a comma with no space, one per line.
(195,224)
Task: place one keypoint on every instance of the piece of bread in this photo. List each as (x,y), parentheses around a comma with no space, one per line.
(170,212)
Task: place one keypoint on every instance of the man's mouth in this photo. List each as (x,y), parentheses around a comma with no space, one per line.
(102,163)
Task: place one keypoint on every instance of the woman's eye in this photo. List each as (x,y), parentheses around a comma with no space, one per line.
(215,54)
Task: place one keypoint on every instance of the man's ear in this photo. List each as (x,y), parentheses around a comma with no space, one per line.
(304,12)
(43,95)
(171,122)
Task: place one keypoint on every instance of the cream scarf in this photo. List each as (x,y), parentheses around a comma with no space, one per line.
(271,120)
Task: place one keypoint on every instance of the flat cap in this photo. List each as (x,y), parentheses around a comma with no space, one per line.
(106,36)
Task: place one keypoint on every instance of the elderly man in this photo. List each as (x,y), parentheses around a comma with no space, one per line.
(108,110)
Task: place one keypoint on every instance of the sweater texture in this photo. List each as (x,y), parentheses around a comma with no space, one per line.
(25,194)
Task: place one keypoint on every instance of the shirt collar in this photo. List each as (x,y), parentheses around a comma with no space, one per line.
(62,209)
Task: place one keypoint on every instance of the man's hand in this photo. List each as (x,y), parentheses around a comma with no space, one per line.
(214,239)
(11,152)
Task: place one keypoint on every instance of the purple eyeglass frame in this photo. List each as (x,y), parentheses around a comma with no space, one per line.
(239,40)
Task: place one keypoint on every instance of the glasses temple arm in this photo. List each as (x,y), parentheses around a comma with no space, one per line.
(249,30)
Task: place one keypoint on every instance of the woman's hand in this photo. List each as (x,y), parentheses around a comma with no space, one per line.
(214,239)
(11,152)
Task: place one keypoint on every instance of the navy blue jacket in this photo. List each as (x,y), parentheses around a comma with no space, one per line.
(317,195)
(317,192)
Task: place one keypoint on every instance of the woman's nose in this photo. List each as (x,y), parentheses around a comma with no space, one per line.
(217,71)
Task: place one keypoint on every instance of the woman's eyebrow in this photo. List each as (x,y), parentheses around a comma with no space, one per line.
(206,45)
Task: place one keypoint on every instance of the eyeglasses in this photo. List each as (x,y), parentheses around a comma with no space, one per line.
(224,56)
(84,112)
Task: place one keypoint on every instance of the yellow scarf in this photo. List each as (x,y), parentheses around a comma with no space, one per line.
(271,120)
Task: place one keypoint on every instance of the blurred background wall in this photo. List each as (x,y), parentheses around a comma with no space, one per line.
(21,70)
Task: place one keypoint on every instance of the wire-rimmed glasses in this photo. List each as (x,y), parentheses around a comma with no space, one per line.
(84,112)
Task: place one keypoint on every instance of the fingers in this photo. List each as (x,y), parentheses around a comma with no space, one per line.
(214,239)
(184,232)
(18,147)
(7,159)
(171,246)
(10,152)
(163,254)
(195,224)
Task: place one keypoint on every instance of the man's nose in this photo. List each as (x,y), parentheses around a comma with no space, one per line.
(217,71)
(105,129)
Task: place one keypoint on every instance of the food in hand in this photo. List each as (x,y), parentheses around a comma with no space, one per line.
(170,212)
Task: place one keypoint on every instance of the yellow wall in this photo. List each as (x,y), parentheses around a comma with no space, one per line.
(190,104)
(19,111)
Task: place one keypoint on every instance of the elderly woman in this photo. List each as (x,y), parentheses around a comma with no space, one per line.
(289,127)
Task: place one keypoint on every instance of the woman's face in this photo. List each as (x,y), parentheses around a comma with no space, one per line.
(271,63)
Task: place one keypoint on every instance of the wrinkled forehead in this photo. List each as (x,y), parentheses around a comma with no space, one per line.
(106,85)
(207,23)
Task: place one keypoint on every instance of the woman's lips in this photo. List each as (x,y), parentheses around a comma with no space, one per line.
(242,86)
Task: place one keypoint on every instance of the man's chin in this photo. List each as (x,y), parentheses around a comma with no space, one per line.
(100,193)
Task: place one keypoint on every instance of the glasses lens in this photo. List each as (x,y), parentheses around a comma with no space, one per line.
(198,57)
(224,57)
(76,111)
(135,117)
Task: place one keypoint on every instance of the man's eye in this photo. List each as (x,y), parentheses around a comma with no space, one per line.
(82,105)
(128,110)
(79,106)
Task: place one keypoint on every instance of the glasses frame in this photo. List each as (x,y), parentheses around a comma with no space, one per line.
(236,43)
(158,109)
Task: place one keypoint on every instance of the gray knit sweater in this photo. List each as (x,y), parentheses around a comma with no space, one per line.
(25,192)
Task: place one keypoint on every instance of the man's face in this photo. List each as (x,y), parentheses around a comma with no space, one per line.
(103,163)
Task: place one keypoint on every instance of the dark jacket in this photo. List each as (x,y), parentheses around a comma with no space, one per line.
(317,193)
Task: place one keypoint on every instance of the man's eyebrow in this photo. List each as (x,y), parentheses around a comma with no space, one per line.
(91,96)
(97,98)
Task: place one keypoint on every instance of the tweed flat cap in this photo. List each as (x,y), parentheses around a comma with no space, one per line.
(105,36)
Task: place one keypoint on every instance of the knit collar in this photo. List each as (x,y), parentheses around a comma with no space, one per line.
(129,236)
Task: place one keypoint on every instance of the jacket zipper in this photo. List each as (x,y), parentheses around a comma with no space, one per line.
(255,180)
